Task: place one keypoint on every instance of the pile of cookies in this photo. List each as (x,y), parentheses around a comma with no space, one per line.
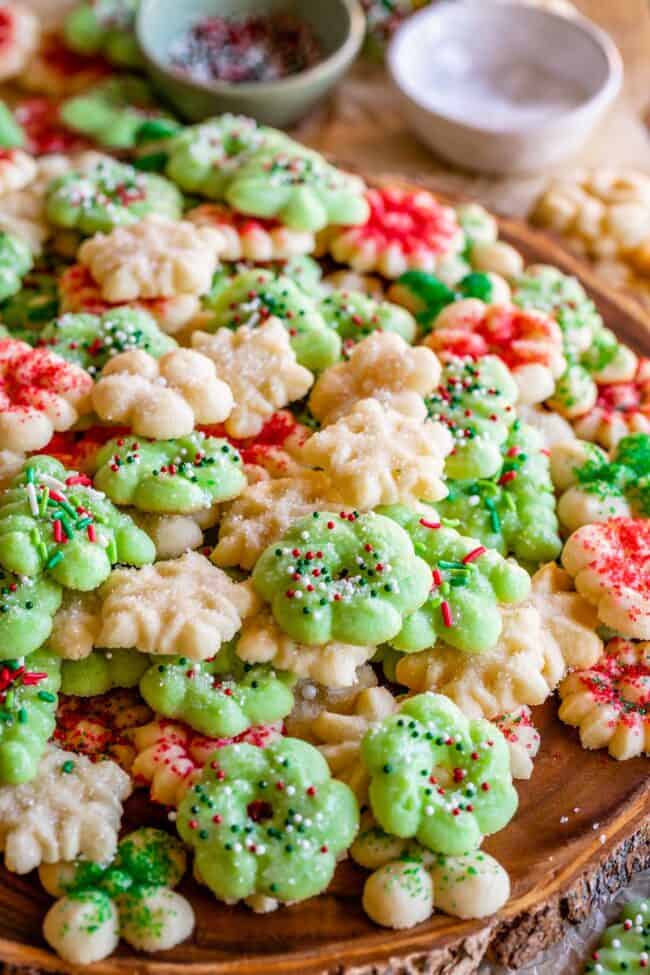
(309,492)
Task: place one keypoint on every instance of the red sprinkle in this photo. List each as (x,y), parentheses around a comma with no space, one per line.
(474,554)
(447,615)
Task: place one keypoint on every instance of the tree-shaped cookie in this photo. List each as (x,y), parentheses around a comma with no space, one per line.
(27,608)
(28,706)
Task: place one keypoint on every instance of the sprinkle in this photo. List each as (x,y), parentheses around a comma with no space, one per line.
(474,554)
(447,615)
(32,498)
(429,524)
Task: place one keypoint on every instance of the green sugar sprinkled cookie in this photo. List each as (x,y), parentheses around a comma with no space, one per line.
(624,947)
(354,315)
(28,700)
(342,576)
(101,671)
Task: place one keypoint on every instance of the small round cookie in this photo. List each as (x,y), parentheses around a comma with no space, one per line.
(609,702)
(277,834)
(112,112)
(624,947)
(40,393)
(250,238)
(399,894)
(620,409)
(105,28)
(438,777)
(469,886)
(83,929)
(405,229)
(19,37)
(609,563)
(347,576)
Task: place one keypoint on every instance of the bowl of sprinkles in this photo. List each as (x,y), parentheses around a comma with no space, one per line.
(272,59)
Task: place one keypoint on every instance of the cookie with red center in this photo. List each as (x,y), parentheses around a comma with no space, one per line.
(529,342)
(610,562)
(19,34)
(610,702)
(620,409)
(253,238)
(57,71)
(40,393)
(44,132)
(406,229)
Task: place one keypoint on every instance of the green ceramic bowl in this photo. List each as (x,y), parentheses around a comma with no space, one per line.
(338,24)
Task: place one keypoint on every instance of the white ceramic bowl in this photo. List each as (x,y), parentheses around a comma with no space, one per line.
(503,87)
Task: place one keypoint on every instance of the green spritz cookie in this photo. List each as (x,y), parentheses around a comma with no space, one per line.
(36,303)
(110,195)
(92,340)
(267,821)
(563,297)
(28,700)
(27,607)
(101,671)
(626,475)
(170,476)
(514,510)
(53,521)
(105,27)
(297,186)
(354,316)
(475,401)
(427,742)
(111,112)
(624,947)
(15,262)
(469,583)
(254,296)
(425,294)
(203,158)
(349,577)
(219,698)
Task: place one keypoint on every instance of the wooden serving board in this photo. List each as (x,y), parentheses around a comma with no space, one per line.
(581,832)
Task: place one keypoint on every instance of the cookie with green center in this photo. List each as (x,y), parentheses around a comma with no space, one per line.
(53,521)
(28,700)
(101,671)
(347,577)
(425,295)
(354,315)
(170,476)
(204,158)
(112,112)
(469,583)
(109,195)
(437,776)
(105,27)
(475,401)
(221,697)
(253,297)
(624,947)
(514,510)
(27,608)
(15,262)
(36,303)
(267,821)
(299,188)
(92,340)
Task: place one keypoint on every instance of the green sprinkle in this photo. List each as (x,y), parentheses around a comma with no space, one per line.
(46,696)
(54,560)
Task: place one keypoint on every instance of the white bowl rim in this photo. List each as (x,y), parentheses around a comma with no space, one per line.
(601,97)
(338,58)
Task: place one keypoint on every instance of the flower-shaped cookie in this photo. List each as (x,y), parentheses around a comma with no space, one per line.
(183,606)
(514,510)
(161,398)
(263,512)
(27,607)
(52,521)
(438,776)
(39,393)
(523,740)
(378,455)
(17,170)
(297,186)
(355,315)
(92,340)
(610,563)
(111,112)
(19,36)
(541,638)
(620,409)
(253,297)
(610,702)
(545,288)
(252,239)
(177,476)
(101,671)
(529,342)
(15,262)
(404,229)
(170,756)
(101,727)
(72,808)
(345,577)
(334,665)
(623,946)
(469,582)
(260,367)
(155,258)
(291,821)
(475,401)
(382,366)
(595,488)
(28,699)
(108,195)
(106,28)
(130,898)
(220,697)
(425,294)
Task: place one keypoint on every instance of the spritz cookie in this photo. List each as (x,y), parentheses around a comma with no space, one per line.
(20,37)
(250,238)
(523,739)
(106,28)
(101,727)
(111,112)
(356,315)
(623,946)
(620,409)
(29,700)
